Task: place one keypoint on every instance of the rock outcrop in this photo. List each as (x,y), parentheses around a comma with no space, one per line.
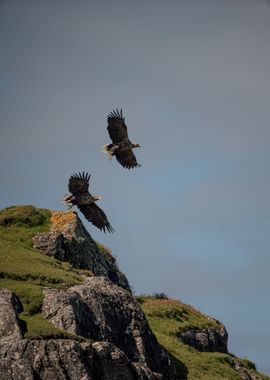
(66,359)
(102,311)
(131,352)
(68,240)
(207,339)
(243,372)
(10,306)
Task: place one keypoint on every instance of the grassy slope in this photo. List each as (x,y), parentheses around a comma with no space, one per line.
(25,271)
(169,317)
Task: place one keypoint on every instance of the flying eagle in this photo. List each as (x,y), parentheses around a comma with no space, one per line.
(78,186)
(121,146)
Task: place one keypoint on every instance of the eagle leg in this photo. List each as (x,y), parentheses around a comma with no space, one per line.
(110,150)
(67,200)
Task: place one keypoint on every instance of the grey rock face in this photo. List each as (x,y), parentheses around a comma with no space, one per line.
(62,359)
(59,359)
(10,305)
(110,363)
(208,339)
(68,240)
(243,372)
(103,311)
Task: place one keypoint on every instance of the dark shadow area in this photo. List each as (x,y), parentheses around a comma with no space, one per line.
(181,369)
(23,326)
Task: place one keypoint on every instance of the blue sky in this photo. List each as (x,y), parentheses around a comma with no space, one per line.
(193,80)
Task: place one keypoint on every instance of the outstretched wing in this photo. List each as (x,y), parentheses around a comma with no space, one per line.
(96,216)
(116,126)
(127,159)
(79,183)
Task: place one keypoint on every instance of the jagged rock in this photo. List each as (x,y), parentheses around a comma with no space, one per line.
(207,339)
(110,363)
(103,311)
(62,359)
(243,372)
(68,240)
(10,305)
(59,359)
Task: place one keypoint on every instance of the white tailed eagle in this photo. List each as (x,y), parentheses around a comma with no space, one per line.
(78,186)
(121,146)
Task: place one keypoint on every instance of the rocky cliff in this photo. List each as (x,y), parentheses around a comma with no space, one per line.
(109,336)
(67,312)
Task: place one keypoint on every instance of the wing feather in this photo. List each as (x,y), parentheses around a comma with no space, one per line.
(96,216)
(79,183)
(127,159)
(117,127)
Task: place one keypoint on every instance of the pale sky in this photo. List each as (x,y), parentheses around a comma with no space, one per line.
(193,80)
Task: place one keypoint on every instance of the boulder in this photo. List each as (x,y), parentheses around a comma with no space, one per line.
(206,339)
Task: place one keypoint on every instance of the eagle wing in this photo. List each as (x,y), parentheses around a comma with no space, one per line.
(116,126)
(79,183)
(127,159)
(96,216)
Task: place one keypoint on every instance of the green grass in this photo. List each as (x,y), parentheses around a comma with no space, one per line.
(41,328)
(24,215)
(25,271)
(106,251)
(169,317)
(19,261)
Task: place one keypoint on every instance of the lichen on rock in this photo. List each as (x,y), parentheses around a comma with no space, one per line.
(57,359)
(68,240)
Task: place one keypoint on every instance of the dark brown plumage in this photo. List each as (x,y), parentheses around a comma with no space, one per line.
(121,146)
(78,185)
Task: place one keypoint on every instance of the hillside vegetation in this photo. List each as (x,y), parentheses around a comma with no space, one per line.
(167,319)
(26,271)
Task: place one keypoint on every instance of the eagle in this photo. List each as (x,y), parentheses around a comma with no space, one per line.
(78,186)
(121,146)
